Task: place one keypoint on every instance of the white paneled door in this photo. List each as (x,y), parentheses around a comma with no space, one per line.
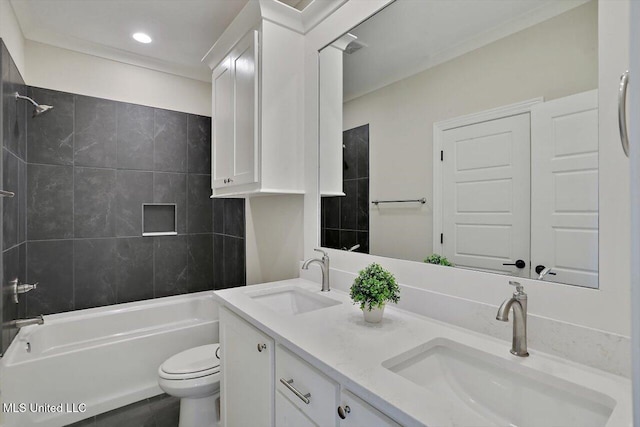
(564,188)
(485,194)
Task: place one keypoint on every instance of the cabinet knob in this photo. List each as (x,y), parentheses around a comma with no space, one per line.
(343,411)
(262,347)
(228,180)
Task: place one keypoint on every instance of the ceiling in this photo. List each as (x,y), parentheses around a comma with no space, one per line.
(410,36)
(182,30)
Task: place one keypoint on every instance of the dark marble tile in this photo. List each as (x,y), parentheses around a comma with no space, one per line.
(363,204)
(331,212)
(170,141)
(361,140)
(137,414)
(10,205)
(135,136)
(349,206)
(170,265)
(95,132)
(199,207)
(22,201)
(94,202)
(200,259)
(363,240)
(14,113)
(349,155)
(50,135)
(11,265)
(94,272)
(166,410)
(172,188)
(348,239)
(133,188)
(218,261)
(199,144)
(49,202)
(234,262)
(51,265)
(332,239)
(234,217)
(134,269)
(218,215)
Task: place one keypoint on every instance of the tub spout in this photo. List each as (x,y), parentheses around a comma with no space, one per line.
(20,323)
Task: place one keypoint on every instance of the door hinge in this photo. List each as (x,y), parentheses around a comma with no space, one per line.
(441,155)
(441,238)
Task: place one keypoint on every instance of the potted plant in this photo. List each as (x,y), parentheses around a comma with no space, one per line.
(439,260)
(372,289)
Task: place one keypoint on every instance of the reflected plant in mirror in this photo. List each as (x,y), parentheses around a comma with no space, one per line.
(489,112)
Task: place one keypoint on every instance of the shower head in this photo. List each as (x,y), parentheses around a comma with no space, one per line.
(37,108)
(41,109)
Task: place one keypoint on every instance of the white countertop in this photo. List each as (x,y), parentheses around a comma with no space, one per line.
(338,342)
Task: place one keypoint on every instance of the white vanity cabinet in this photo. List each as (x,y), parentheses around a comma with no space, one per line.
(257,108)
(358,413)
(310,392)
(247,362)
(265,384)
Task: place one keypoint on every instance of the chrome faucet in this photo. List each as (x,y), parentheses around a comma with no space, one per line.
(20,323)
(519,304)
(324,266)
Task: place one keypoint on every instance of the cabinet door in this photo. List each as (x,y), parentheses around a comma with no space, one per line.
(245,66)
(223,123)
(288,415)
(358,413)
(247,389)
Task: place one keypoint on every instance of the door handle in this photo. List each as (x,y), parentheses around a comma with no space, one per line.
(519,263)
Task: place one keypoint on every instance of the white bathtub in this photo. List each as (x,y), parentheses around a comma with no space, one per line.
(103,357)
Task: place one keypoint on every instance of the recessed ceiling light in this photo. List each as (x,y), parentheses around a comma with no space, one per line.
(142,38)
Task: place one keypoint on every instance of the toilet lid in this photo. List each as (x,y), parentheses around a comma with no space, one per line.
(193,361)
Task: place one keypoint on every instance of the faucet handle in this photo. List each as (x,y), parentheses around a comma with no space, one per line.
(518,286)
(324,253)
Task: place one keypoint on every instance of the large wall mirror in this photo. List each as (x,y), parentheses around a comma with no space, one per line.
(465,133)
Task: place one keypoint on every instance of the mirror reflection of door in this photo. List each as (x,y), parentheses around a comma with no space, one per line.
(485,197)
(564,188)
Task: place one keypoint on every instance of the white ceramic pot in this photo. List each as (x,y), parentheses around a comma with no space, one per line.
(374,315)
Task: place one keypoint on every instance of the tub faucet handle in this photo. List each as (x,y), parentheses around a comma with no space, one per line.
(18,288)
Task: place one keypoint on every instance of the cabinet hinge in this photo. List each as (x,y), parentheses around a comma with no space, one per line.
(441,238)
(441,155)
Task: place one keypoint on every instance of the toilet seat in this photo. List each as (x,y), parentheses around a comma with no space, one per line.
(193,363)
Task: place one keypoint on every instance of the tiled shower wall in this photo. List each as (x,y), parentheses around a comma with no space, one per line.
(90,164)
(14,247)
(345,220)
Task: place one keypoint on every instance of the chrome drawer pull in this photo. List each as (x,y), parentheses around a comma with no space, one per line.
(303,397)
(622,112)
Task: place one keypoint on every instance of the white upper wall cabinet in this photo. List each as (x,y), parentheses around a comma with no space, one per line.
(257,88)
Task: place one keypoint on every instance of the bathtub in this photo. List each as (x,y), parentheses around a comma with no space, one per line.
(98,359)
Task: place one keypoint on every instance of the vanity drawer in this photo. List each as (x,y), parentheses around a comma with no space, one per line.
(306,380)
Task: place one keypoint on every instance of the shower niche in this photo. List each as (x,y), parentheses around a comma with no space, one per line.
(159,219)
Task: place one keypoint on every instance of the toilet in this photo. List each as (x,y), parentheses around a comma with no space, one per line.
(194,376)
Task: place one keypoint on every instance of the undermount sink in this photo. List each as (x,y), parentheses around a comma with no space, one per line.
(489,390)
(291,300)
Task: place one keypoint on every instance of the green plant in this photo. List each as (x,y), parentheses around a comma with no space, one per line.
(438,259)
(373,287)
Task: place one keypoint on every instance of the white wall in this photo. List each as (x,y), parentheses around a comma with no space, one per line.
(607,308)
(553,59)
(65,70)
(11,34)
(273,237)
